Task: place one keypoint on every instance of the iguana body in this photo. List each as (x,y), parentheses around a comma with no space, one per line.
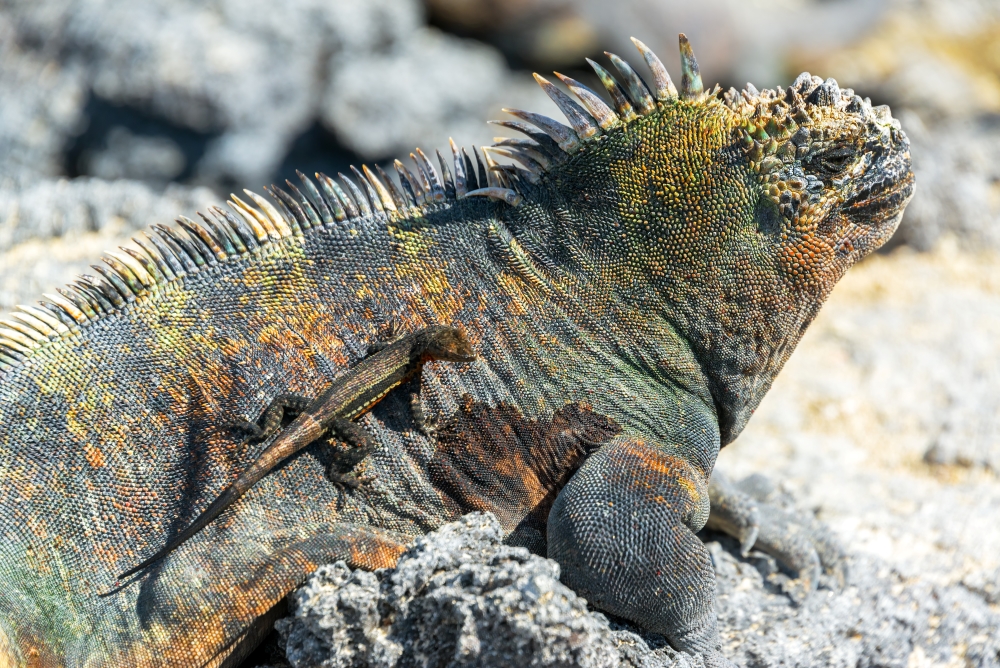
(630,296)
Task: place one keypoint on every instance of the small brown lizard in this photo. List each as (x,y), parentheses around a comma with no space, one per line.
(348,398)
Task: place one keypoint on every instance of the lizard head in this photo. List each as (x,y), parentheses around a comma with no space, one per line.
(440,342)
(728,217)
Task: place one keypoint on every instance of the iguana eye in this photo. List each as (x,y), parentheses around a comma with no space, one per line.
(836,160)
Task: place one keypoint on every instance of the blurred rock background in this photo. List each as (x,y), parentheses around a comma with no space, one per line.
(117,114)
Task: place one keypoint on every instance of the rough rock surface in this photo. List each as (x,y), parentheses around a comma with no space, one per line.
(957,163)
(458,597)
(42,107)
(886,421)
(421,91)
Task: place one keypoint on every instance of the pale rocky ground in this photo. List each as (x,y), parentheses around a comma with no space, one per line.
(885,421)
(887,416)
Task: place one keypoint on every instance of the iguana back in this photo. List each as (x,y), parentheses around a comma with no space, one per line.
(640,280)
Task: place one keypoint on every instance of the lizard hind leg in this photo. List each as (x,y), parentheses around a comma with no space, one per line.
(341,468)
(283,405)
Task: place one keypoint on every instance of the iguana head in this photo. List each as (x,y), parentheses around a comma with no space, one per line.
(730,216)
(441,342)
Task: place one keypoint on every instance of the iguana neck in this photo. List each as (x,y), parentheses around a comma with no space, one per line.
(684,235)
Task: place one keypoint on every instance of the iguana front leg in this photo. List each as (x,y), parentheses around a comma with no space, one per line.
(427,424)
(623,531)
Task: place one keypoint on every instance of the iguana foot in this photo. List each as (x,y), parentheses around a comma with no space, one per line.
(733,512)
(801,544)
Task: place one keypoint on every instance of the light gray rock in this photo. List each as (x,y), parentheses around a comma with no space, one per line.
(249,69)
(420,92)
(59,207)
(258,74)
(880,619)
(42,107)
(458,597)
(902,357)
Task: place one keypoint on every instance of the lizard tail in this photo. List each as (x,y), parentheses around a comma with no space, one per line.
(228,497)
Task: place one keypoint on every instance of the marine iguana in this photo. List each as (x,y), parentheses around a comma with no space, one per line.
(632,288)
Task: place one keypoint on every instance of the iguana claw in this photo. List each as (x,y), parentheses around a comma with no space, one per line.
(733,512)
(754,512)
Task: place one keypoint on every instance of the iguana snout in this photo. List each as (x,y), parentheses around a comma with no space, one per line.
(876,199)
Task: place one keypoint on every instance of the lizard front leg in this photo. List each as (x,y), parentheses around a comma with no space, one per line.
(623,531)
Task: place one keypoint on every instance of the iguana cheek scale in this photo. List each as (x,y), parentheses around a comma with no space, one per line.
(631,290)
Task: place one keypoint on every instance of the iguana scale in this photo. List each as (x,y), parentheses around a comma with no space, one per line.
(631,290)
